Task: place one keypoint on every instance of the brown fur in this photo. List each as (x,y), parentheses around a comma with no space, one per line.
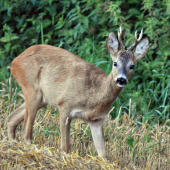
(54,76)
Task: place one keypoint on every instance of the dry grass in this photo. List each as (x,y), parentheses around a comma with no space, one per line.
(129,145)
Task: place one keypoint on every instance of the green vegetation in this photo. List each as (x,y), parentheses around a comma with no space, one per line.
(81,26)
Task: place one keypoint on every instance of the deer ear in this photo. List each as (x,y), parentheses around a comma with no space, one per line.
(112,44)
(141,49)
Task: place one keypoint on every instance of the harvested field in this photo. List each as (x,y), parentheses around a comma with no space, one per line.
(130,146)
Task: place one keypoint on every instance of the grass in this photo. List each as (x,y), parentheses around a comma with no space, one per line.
(132,142)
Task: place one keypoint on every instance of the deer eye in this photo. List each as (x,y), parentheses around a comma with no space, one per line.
(132,66)
(115,64)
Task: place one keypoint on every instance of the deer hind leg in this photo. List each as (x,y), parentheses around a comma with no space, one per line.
(15,118)
(33,104)
(65,122)
(96,127)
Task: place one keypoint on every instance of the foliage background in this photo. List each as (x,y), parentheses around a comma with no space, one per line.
(81,26)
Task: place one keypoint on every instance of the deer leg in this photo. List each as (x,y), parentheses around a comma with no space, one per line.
(98,136)
(15,118)
(65,131)
(33,104)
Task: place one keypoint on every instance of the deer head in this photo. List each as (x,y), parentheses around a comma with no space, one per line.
(124,60)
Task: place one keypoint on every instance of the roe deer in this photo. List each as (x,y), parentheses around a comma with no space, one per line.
(52,76)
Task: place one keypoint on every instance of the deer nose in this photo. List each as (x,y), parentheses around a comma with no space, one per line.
(121,81)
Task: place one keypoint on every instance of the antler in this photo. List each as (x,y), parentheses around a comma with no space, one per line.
(136,40)
(120,39)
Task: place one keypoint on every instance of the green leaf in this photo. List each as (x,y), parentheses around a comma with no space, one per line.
(133,11)
(46,23)
(93,12)
(130,141)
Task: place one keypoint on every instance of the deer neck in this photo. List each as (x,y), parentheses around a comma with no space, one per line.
(110,90)
(106,95)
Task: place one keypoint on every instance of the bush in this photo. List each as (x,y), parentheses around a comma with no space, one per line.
(82,26)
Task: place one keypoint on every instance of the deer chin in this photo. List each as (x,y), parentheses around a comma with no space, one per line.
(120,85)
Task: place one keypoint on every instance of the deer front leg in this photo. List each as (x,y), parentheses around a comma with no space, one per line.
(65,131)
(98,136)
